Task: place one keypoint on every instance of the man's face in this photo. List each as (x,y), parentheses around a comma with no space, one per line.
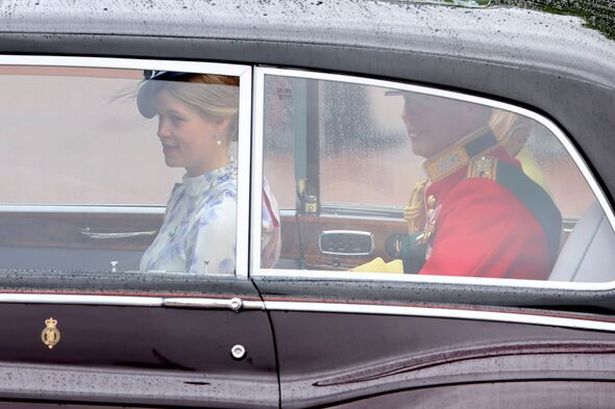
(434,123)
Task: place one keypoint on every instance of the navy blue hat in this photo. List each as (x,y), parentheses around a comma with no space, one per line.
(149,88)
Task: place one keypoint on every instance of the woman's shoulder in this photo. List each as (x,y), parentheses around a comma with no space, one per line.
(225,188)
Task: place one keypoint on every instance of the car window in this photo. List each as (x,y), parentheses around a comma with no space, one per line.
(116,169)
(71,135)
(378,177)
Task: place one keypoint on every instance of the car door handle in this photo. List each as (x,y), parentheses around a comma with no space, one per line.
(235,304)
(119,235)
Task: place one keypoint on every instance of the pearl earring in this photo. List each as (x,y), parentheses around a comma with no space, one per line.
(218,141)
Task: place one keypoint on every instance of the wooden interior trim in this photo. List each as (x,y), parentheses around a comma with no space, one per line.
(63,230)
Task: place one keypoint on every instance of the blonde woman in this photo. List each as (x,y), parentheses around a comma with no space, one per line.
(197,122)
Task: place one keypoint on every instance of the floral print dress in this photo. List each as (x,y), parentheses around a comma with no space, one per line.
(199,227)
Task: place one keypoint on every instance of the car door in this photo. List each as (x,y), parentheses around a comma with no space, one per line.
(83,197)
(359,333)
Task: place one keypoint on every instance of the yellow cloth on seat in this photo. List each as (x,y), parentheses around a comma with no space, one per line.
(378,265)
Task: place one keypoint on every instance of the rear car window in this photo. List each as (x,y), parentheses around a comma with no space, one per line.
(378,177)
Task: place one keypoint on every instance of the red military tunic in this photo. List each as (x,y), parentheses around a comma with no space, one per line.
(482,229)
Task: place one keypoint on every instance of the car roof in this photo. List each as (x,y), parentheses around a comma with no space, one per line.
(505,34)
(550,63)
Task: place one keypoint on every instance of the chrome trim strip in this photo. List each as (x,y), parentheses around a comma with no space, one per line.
(75,299)
(82,209)
(517,318)
(243,174)
(261,72)
(128,301)
(211,303)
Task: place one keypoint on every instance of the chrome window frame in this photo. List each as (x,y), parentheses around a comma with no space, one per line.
(325,275)
(244,72)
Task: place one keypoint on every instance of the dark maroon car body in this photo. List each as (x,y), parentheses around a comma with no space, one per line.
(316,343)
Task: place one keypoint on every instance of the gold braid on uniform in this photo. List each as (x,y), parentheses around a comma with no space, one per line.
(511,130)
(484,167)
(415,213)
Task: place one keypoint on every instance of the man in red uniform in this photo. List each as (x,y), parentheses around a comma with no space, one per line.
(478,214)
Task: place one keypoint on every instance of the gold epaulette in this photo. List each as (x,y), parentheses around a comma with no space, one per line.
(485,167)
(414,212)
(457,156)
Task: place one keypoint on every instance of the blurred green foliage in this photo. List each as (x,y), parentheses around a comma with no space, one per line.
(597,14)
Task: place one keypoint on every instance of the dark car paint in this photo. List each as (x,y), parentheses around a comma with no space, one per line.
(327,357)
(137,355)
(166,356)
(332,357)
(548,63)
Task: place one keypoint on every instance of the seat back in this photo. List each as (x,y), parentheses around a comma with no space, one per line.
(589,252)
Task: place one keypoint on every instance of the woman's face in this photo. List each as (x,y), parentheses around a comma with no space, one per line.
(188,138)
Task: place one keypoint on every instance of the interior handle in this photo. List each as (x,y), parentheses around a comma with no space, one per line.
(119,235)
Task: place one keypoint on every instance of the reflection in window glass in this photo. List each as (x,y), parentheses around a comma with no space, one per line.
(383,180)
(76,138)
(281,122)
(71,138)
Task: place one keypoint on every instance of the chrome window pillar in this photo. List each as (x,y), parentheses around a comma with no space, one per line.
(258,124)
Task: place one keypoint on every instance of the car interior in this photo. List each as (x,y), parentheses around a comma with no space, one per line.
(319,157)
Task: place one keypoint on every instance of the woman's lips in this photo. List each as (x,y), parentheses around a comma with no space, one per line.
(167,149)
(414,136)
(417,134)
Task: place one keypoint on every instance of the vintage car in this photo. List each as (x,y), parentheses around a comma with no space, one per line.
(327,93)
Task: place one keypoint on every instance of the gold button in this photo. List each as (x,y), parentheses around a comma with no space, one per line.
(431,201)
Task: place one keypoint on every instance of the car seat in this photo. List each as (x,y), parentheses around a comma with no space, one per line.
(589,252)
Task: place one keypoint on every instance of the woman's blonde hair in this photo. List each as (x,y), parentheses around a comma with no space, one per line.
(214,96)
(218,98)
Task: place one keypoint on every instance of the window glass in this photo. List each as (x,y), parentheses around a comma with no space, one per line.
(378,179)
(71,136)
(106,169)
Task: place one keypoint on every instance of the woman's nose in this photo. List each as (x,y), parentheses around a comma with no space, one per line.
(163,129)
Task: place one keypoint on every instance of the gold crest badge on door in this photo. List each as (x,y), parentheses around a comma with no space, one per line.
(50,334)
